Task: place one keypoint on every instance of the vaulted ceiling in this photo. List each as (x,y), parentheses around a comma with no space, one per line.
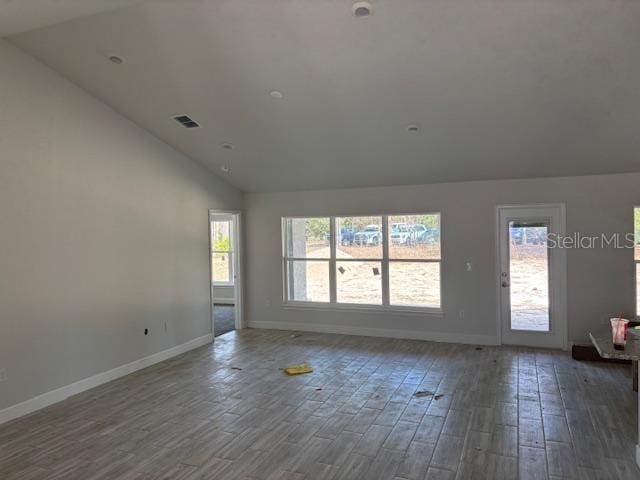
(17,16)
(498,89)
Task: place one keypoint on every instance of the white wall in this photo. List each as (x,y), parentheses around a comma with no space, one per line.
(600,282)
(104,232)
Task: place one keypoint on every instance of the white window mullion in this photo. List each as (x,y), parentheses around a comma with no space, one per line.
(285,280)
(286,297)
(385,260)
(332,260)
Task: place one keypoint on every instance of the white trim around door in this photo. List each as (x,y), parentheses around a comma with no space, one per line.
(237,258)
(550,219)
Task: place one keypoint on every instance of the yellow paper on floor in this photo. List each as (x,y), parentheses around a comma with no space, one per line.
(298,369)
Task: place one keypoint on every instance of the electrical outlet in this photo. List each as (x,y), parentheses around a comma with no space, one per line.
(3,374)
(461,313)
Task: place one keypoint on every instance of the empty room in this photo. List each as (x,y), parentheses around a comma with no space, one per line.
(319,239)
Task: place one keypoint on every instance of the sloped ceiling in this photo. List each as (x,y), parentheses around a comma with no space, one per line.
(17,16)
(500,89)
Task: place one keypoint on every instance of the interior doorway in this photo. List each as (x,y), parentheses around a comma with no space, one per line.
(531,276)
(225,278)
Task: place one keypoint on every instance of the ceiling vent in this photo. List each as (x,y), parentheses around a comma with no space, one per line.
(186,122)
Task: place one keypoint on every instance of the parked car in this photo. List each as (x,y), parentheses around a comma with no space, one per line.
(346,236)
(420,232)
(402,234)
(371,235)
(424,234)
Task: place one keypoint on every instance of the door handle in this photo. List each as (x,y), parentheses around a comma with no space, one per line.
(505,284)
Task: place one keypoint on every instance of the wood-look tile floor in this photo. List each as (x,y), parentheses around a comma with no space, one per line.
(498,413)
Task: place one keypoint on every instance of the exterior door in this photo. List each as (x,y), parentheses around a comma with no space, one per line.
(532,276)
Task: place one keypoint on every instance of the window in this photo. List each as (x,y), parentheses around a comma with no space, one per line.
(414,260)
(222,252)
(385,260)
(307,253)
(359,260)
(636,254)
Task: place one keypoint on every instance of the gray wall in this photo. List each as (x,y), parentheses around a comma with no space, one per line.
(600,282)
(104,232)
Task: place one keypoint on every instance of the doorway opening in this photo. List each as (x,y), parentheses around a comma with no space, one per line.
(532,276)
(226,285)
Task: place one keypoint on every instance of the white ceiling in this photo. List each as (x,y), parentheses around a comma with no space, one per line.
(18,16)
(501,89)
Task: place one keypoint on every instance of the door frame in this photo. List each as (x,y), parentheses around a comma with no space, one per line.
(559,258)
(238,287)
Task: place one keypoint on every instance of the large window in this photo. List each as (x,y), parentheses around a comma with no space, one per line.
(222,252)
(385,260)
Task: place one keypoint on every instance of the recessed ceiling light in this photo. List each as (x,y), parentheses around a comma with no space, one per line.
(224,168)
(276,94)
(413,128)
(117,59)
(227,146)
(362,9)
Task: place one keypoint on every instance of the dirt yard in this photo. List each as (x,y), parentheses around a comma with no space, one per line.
(529,288)
(360,281)
(417,284)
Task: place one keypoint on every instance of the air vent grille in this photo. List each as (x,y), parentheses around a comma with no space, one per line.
(186,122)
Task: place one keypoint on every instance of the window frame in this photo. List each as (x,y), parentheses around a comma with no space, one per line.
(286,259)
(636,263)
(384,260)
(230,255)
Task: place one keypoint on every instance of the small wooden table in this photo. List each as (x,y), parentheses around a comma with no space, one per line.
(603,343)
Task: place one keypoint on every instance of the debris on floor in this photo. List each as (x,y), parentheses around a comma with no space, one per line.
(236,368)
(298,369)
(438,397)
(423,393)
(318,389)
(478,348)
(296,335)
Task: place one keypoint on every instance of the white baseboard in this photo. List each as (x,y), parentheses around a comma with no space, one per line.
(379,332)
(55,396)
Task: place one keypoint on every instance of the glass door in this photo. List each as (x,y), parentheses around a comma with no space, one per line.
(532,277)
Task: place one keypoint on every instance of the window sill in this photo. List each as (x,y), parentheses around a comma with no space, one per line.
(377,309)
(217,284)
